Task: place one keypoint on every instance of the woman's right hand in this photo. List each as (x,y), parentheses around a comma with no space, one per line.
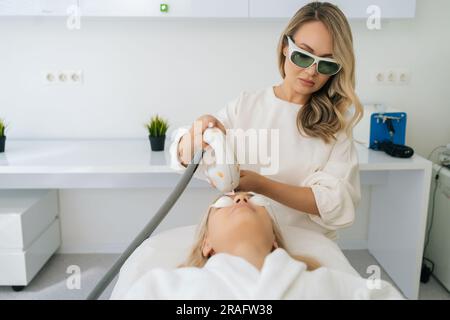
(188,147)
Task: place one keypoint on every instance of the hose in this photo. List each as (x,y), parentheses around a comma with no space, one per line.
(149,228)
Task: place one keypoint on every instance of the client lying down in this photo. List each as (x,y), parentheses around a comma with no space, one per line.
(239,253)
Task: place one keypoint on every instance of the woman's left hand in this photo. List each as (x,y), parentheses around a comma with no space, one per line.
(250,181)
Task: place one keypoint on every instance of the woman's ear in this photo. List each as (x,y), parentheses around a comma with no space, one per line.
(207,250)
(274,246)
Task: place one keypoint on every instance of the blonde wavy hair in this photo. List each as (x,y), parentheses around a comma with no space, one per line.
(197,259)
(323,115)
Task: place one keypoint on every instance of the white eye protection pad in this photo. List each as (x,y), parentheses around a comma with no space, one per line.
(255,199)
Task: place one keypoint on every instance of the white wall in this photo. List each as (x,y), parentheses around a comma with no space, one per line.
(135,67)
(107,220)
(99,220)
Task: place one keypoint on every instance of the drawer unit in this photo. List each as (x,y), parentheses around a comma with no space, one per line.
(18,267)
(29,233)
(24,214)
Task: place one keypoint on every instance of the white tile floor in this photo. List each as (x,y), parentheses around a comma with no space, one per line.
(50,283)
(361,259)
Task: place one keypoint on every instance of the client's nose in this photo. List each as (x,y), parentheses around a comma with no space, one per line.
(243,197)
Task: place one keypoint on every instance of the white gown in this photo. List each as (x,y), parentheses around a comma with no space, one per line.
(331,170)
(230,277)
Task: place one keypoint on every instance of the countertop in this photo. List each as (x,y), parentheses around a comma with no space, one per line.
(25,160)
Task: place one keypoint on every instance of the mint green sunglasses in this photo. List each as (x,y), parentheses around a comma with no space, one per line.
(305,59)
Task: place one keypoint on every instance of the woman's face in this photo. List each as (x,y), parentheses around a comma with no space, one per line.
(242,221)
(313,37)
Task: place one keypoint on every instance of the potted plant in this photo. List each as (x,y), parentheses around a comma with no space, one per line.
(2,135)
(157,128)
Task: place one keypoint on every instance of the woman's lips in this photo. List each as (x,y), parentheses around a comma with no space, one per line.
(240,205)
(306,82)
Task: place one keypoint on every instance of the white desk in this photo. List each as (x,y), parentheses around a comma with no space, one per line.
(399,196)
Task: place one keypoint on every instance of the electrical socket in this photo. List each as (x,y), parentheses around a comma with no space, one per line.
(404,77)
(74,77)
(380,77)
(392,77)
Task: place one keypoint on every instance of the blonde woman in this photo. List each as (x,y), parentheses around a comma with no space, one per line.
(317,184)
(225,228)
(239,253)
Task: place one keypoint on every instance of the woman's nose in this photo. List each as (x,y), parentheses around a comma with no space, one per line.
(240,197)
(312,70)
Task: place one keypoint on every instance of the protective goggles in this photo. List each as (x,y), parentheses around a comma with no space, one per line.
(304,59)
(254,198)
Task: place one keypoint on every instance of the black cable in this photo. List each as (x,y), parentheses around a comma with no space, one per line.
(396,150)
(432,264)
(432,209)
(391,129)
(426,271)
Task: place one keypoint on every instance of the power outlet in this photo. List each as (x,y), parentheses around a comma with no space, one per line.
(379,77)
(404,77)
(392,77)
(76,77)
(71,77)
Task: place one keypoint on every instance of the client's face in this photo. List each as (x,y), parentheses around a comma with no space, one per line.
(239,220)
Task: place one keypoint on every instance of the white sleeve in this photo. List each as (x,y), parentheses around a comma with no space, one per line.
(175,163)
(173,150)
(336,187)
(226,115)
(229,114)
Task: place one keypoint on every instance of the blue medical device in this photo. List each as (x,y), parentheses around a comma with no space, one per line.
(389,126)
(388,133)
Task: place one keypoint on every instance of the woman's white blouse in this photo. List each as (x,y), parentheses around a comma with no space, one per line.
(330,170)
